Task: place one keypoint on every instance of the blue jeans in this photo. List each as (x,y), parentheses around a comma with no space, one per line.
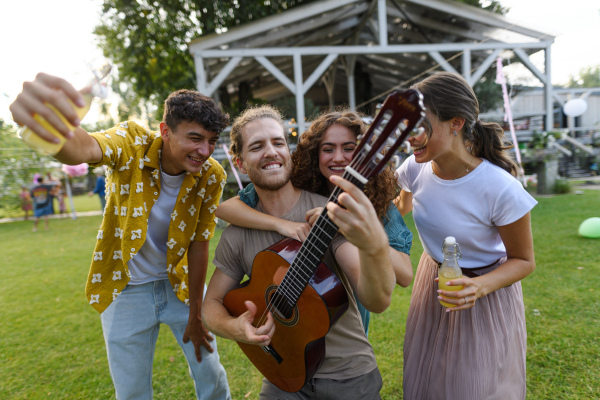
(131,325)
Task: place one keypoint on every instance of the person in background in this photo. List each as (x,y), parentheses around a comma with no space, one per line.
(100,188)
(151,256)
(42,194)
(60,196)
(460,181)
(323,151)
(26,204)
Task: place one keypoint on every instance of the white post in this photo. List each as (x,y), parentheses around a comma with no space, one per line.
(382,19)
(351,91)
(299,93)
(350,64)
(466,66)
(548,92)
(70,195)
(201,83)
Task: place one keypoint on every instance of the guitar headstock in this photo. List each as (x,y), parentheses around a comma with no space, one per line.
(399,116)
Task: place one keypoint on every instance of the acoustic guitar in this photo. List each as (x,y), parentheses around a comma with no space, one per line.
(289,279)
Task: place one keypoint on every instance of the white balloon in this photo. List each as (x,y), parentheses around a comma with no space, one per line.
(575,107)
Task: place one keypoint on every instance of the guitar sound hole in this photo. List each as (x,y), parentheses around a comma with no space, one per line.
(282,306)
(284,312)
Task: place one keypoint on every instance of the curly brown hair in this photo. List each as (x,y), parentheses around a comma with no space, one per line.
(382,189)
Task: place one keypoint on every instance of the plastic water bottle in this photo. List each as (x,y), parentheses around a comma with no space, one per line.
(37,143)
(449,269)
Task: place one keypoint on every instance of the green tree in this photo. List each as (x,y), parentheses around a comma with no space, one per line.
(588,77)
(147,41)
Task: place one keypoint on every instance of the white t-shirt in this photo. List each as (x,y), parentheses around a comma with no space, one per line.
(469,208)
(150,262)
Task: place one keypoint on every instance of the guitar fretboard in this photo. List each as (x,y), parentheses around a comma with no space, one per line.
(401,113)
(309,256)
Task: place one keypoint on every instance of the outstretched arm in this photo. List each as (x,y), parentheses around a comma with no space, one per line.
(236,212)
(36,97)
(365,259)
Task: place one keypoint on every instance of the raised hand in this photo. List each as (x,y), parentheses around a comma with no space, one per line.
(36,97)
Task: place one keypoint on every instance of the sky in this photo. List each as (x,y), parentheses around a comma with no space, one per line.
(56,37)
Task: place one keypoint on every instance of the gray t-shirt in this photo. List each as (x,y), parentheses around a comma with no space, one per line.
(348,352)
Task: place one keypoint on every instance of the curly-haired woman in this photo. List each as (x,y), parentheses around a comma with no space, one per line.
(325,150)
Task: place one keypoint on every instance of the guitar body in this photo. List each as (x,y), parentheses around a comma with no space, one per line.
(297,349)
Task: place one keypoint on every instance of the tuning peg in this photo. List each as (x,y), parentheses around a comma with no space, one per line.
(406,147)
(417,131)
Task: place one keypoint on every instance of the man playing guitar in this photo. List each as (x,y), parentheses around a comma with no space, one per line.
(359,258)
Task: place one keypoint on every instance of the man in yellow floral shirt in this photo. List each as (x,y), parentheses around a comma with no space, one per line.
(151,255)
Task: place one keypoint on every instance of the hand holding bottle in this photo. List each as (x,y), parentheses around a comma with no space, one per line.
(37,97)
(49,109)
(455,291)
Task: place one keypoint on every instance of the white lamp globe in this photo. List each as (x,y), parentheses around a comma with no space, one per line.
(575,107)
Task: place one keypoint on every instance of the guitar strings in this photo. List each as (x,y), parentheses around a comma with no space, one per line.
(287,284)
(286,287)
(291,275)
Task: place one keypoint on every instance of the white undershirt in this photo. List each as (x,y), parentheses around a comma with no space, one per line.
(150,262)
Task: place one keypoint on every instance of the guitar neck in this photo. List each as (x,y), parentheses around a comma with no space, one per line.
(399,115)
(313,249)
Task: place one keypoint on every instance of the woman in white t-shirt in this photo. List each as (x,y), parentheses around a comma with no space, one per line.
(460,182)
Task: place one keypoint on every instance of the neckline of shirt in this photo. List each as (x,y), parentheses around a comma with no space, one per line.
(172,181)
(461,179)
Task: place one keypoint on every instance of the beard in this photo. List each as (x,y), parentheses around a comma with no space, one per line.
(270,183)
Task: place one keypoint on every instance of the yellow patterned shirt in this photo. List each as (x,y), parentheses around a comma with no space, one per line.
(132,155)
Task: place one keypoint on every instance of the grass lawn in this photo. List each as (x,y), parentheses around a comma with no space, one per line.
(51,344)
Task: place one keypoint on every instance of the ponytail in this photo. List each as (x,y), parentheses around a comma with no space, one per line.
(488,142)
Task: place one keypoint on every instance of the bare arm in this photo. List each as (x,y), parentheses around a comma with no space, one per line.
(402,267)
(238,213)
(518,240)
(404,202)
(50,90)
(365,259)
(197,265)
(216,317)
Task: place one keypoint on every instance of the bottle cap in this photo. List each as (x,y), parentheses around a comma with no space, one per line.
(450,241)
(100,90)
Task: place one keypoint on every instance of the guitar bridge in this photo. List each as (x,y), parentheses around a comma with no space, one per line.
(271,351)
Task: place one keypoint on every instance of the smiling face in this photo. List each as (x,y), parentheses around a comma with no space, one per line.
(433,142)
(265,154)
(186,148)
(335,150)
